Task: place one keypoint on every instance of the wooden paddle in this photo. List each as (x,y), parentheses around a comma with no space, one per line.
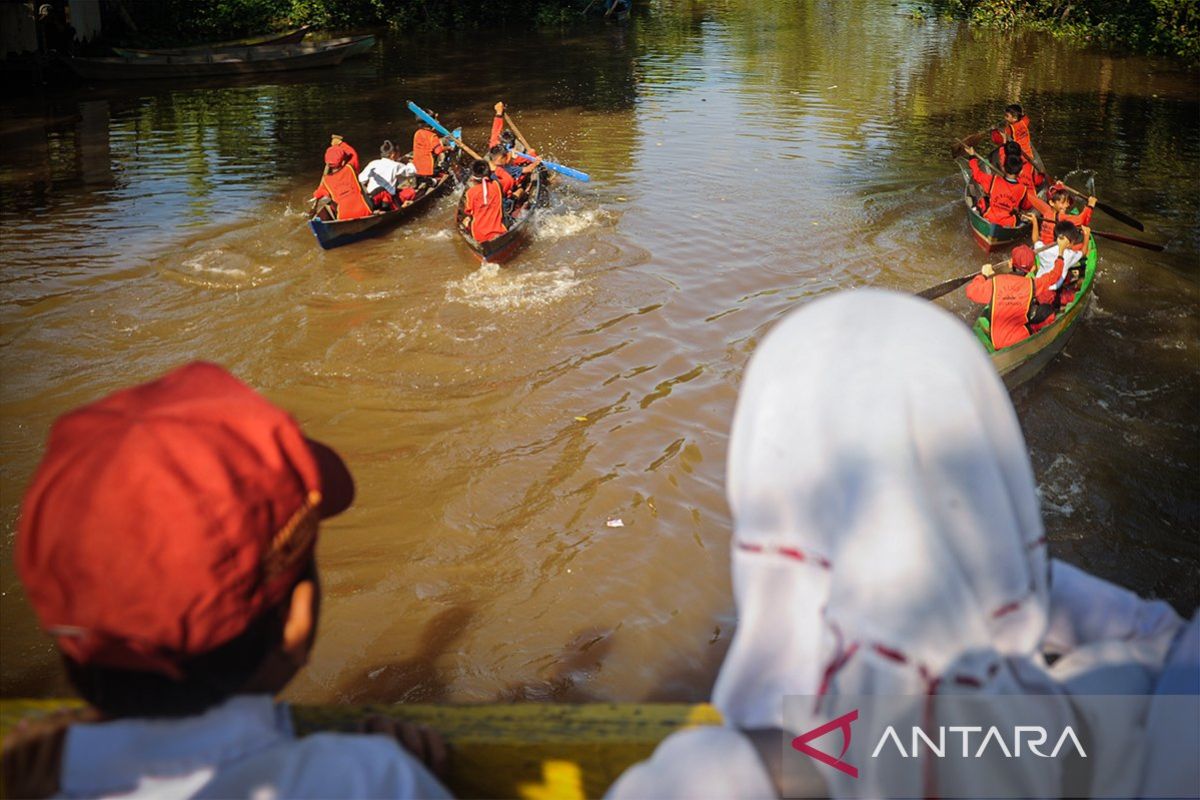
(946,287)
(517,132)
(1116,237)
(970,141)
(1115,213)
(986,162)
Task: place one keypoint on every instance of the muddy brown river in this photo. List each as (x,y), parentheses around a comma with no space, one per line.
(540,448)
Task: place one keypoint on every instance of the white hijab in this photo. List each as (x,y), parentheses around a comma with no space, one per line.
(888,541)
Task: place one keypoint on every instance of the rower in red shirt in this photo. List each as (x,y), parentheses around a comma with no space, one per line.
(336,141)
(1058,210)
(1014,299)
(426,147)
(483,206)
(504,137)
(340,184)
(1028,176)
(1016,128)
(1006,196)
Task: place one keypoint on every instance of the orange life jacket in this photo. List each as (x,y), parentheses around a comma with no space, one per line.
(485,204)
(426,145)
(1012,297)
(1019,132)
(343,188)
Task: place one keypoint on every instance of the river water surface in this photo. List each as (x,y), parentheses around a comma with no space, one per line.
(540,449)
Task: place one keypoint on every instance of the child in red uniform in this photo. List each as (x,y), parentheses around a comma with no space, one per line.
(1006,196)
(483,206)
(426,147)
(1058,210)
(1016,128)
(340,184)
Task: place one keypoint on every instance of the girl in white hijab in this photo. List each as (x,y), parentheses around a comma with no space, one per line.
(887,542)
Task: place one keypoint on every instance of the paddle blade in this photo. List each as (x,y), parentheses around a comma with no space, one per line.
(1121,216)
(946,287)
(559,168)
(1129,240)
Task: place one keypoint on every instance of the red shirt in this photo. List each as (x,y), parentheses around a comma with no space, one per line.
(1050,216)
(426,145)
(507,181)
(1019,132)
(1011,297)
(497,129)
(485,205)
(1005,198)
(343,188)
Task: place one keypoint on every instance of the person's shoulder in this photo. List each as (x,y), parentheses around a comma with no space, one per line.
(354,765)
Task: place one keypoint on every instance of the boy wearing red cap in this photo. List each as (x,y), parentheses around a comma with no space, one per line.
(167,542)
(340,182)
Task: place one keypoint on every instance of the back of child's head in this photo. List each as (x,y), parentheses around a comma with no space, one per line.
(387,148)
(1068,229)
(496,153)
(1012,164)
(1014,109)
(1022,259)
(163,534)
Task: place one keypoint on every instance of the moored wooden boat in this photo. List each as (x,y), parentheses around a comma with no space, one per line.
(500,249)
(335,233)
(1019,362)
(237,61)
(287,37)
(988,235)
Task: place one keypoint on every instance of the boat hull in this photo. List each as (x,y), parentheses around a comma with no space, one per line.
(336,233)
(287,37)
(239,61)
(503,248)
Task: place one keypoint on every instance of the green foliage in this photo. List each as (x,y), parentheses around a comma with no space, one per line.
(186,21)
(1170,27)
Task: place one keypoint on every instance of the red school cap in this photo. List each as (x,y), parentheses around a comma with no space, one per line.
(1022,258)
(165,518)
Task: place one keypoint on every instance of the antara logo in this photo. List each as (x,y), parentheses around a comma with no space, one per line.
(842,723)
(1032,736)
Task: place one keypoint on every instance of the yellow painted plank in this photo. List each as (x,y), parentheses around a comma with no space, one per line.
(529,750)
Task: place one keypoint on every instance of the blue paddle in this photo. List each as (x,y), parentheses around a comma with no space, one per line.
(424,116)
(437,126)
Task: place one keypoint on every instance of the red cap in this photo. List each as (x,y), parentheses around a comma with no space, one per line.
(165,518)
(1022,258)
(336,155)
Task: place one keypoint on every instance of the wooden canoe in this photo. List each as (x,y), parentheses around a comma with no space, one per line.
(239,61)
(287,37)
(1019,362)
(988,235)
(331,234)
(503,247)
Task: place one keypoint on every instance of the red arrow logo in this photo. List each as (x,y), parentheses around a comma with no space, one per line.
(843,723)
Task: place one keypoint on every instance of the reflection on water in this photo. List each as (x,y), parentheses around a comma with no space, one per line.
(746,157)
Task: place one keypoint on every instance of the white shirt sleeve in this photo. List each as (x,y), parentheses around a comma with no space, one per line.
(1085,609)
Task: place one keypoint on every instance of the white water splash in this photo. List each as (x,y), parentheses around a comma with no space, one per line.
(220,269)
(563,223)
(495,289)
(1061,488)
(438,235)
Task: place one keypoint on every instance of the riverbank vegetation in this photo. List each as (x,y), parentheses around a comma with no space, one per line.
(1168,27)
(201,20)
